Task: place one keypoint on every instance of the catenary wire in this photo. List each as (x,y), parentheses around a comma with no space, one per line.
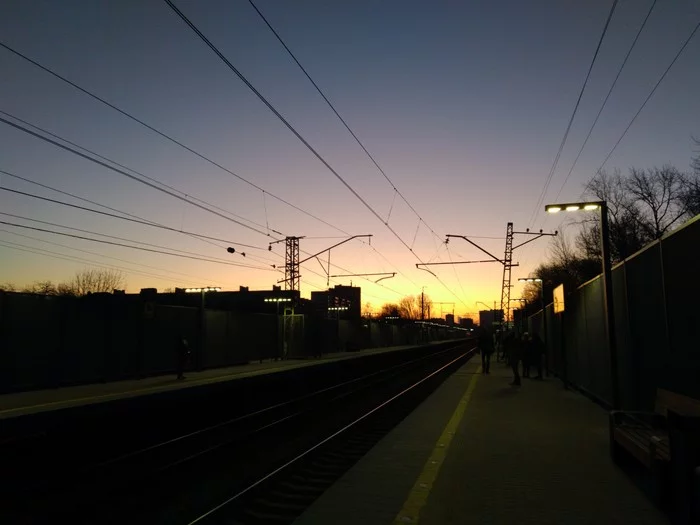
(552,170)
(166,136)
(607,96)
(291,128)
(101,255)
(135,247)
(651,94)
(342,120)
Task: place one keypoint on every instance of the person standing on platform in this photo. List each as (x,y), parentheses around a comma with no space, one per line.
(485,342)
(183,354)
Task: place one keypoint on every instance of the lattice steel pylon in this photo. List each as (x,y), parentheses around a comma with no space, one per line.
(507,266)
(291,263)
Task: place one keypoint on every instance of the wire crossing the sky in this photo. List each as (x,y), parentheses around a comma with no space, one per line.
(167,137)
(571,120)
(53,232)
(347,126)
(607,96)
(651,93)
(291,128)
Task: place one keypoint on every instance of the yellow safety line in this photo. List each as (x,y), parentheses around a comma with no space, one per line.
(418,496)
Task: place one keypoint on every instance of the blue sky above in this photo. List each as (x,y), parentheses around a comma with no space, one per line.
(463,104)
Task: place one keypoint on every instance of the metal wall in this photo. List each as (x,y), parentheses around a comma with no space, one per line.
(47,342)
(655,295)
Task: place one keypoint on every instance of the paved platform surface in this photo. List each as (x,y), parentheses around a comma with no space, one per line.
(483,452)
(34,401)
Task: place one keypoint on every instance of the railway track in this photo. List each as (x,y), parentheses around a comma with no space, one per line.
(265,466)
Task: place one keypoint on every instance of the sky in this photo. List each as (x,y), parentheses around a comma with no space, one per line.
(462,104)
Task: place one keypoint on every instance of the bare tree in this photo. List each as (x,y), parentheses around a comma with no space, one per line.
(409,307)
(560,249)
(8,287)
(367,310)
(630,230)
(658,192)
(41,287)
(389,310)
(65,289)
(691,194)
(94,281)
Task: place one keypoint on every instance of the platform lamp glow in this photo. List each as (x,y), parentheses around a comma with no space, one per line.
(607,282)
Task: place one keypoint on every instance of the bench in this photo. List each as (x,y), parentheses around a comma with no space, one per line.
(643,434)
(646,437)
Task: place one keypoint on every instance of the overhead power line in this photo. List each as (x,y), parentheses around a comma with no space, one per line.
(201,279)
(129,175)
(291,128)
(137,221)
(612,86)
(48,223)
(337,114)
(71,258)
(166,136)
(53,232)
(651,93)
(179,143)
(552,170)
(156,186)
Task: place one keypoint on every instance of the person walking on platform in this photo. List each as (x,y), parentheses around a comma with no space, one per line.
(485,342)
(183,354)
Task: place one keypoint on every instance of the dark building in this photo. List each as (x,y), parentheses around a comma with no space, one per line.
(466,322)
(450,318)
(489,318)
(340,297)
(252,301)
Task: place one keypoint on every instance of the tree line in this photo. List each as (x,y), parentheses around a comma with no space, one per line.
(84,282)
(643,205)
(409,307)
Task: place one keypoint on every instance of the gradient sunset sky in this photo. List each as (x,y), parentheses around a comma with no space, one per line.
(462,103)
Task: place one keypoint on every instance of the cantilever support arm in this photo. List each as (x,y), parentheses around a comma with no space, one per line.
(457,262)
(476,246)
(418,265)
(334,246)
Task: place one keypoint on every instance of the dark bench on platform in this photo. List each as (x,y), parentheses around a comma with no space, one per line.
(666,442)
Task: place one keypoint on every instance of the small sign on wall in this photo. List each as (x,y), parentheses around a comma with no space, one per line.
(559,299)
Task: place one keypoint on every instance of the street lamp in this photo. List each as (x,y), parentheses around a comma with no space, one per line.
(607,283)
(544,313)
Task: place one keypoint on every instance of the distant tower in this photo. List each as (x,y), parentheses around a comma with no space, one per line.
(507,265)
(291,264)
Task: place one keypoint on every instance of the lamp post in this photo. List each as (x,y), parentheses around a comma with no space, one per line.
(202,318)
(607,283)
(544,316)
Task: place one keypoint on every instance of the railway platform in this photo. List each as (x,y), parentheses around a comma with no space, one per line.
(481,451)
(38,401)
